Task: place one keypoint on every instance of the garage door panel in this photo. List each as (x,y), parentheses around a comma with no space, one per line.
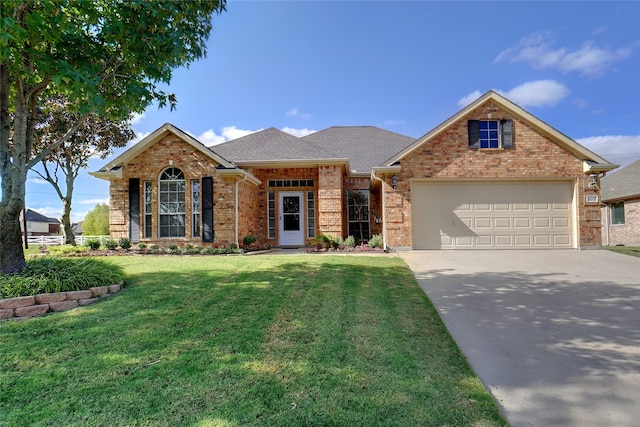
(492,214)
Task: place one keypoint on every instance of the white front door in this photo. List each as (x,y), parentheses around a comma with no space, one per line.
(291,221)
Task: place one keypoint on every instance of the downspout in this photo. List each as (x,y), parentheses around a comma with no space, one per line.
(244,178)
(384,212)
(606,219)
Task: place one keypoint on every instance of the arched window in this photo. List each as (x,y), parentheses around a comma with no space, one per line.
(172,206)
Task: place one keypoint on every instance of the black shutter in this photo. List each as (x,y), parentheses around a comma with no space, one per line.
(207,209)
(474,133)
(506,130)
(134,210)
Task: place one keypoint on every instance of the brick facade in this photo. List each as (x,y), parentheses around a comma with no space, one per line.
(448,156)
(171,151)
(627,234)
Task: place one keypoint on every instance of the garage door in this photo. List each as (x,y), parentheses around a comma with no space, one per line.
(492,215)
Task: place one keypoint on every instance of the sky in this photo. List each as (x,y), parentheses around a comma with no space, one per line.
(304,66)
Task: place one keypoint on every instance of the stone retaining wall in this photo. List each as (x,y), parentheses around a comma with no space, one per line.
(36,305)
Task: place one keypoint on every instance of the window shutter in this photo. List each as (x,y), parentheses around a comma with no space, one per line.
(474,133)
(134,210)
(207,209)
(506,130)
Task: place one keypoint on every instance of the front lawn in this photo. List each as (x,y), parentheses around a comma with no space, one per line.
(234,341)
(627,250)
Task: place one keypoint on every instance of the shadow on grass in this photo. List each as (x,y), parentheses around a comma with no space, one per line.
(266,341)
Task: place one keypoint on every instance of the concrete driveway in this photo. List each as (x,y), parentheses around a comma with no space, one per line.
(554,335)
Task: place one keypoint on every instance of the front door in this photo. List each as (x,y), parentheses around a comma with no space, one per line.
(291,218)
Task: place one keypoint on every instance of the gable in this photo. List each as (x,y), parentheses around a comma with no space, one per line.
(486,107)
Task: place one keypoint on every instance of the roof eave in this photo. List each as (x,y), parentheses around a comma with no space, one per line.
(239,174)
(593,167)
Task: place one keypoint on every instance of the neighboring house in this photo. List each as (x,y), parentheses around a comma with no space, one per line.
(39,225)
(76,227)
(491,176)
(621,206)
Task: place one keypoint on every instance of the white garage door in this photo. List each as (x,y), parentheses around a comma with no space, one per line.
(492,215)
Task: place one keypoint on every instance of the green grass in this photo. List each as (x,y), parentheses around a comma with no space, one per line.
(627,250)
(235,341)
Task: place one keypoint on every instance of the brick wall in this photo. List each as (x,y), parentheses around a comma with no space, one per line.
(622,234)
(447,156)
(330,200)
(147,167)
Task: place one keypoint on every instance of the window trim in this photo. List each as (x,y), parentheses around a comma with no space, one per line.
(177,214)
(504,129)
(619,208)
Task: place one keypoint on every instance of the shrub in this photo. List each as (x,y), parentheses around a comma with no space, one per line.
(142,245)
(66,249)
(154,249)
(376,241)
(110,244)
(124,243)
(93,244)
(248,240)
(350,242)
(59,274)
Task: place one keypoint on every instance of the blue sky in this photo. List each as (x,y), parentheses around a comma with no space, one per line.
(303,66)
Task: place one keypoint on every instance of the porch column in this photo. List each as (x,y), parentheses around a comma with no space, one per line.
(330,200)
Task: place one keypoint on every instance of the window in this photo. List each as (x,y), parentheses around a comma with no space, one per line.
(290,183)
(617,213)
(195,208)
(148,230)
(490,133)
(171,206)
(358,206)
(311,214)
(271,201)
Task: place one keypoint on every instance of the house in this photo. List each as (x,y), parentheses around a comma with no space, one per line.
(76,227)
(491,176)
(39,225)
(621,206)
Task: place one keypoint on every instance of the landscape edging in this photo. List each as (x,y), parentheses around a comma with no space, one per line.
(20,308)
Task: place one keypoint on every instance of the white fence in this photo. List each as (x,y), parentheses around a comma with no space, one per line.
(59,240)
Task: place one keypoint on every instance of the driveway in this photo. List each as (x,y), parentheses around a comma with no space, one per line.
(554,335)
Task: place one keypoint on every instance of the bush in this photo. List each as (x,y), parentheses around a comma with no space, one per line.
(93,244)
(350,242)
(376,241)
(248,240)
(124,243)
(110,244)
(142,245)
(58,274)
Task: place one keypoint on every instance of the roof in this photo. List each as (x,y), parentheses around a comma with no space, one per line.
(592,162)
(116,164)
(34,216)
(362,146)
(623,184)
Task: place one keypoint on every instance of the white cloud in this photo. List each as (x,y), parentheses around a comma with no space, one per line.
(620,149)
(93,201)
(210,137)
(37,180)
(539,93)
(538,51)
(468,99)
(293,112)
(298,132)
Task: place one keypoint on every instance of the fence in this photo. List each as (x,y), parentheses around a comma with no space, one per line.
(59,240)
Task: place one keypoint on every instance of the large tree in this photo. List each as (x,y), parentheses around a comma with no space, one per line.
(96,223)
(110,58)
(95,137)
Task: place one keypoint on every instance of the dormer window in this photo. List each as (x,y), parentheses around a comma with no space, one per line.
(490,133)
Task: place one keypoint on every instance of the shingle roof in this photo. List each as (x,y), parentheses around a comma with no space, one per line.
(364,146)
(34,216)
(268,144)
(623,184)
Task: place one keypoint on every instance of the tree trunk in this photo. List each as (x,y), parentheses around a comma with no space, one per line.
(69,237)
(11,253)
